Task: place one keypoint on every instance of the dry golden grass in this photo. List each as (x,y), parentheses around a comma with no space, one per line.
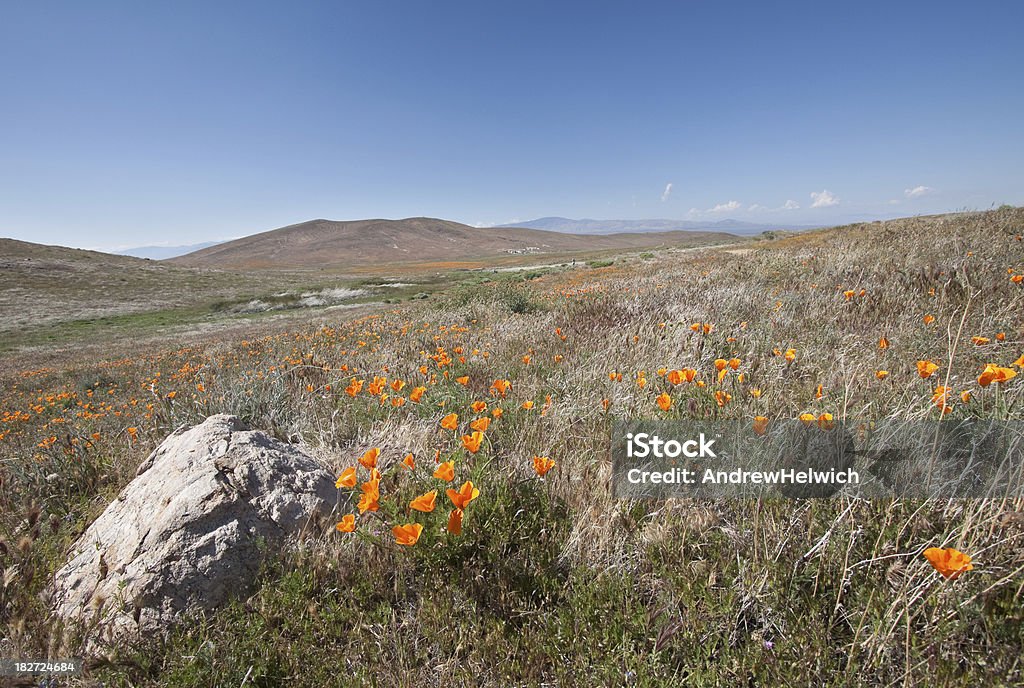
(555,581)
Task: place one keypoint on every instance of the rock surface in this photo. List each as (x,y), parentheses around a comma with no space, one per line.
(188,531)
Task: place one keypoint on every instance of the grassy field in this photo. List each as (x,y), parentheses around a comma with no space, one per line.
(553,581)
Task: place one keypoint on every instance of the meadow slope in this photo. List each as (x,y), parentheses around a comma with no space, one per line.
(553,581)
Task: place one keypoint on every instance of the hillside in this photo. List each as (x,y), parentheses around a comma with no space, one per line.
(591,226)
(327,243)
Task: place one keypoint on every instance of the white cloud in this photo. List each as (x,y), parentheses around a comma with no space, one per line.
(693,212)
(667,192)
(725,207)
(790,205)
(918,191)
(823,199)
(756,207)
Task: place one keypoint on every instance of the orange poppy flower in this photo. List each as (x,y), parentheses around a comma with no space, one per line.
(464,380)
(397,385)
(1017,279)
(790,355)
(347,523)
(407,534)
(354,387)
(347,478)
(980,341)
(481,424)
(472,442)
(1000,336)
(417,394)
(720,363)
(527,405)
(497,412)
(881,374)
(542,464)
(941,397)
(424,502)
(807,418)
(1019,362)
(398,401)
(928,319)
(760,424)
(664,401)
(926,369)
(409,462)
(994,373)
(735,363)
(445,471)
(605,403)
(883,343)
(369,501)
(849,293)
(369,459)
(466,494)
(479,406)
(965,396)
(756,392)
(455,522)
(500,387)
(818,393)
(722,398)
(450,422)
(825,421)
(948,561)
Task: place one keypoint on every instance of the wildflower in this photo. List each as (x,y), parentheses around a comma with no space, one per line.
(965,396)
(883,343)
(445,471)
(347,523)
(500,387)
(369,459)
(994,373)
(1019,362)
(926,369)
(881,374)
(527,405)
(948,561)
(409,462)
(735,363)
(760,424)
(940,397)
(664,401)
(497,412)
(472,442)
(980,341)
(455,522)
(464,380)
(407,534)
(790,355)
(818,393)
(347,478)
(542,464)
(424,502)
(465,494)
(825,421)
(928,319)
(417,394)
(479,406)
(720,363)
(354,387)
(756,392)
(450,422)
(807,418)
(722,398)
(481,424)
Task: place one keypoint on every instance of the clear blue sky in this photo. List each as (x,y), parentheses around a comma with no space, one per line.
(123,124)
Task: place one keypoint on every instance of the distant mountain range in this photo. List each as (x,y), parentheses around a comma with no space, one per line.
(163,252)
(362,243)
(588,226)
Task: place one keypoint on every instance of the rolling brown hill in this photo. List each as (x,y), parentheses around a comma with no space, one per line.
(328,243)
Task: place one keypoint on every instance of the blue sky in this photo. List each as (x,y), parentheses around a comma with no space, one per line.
(123,124)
